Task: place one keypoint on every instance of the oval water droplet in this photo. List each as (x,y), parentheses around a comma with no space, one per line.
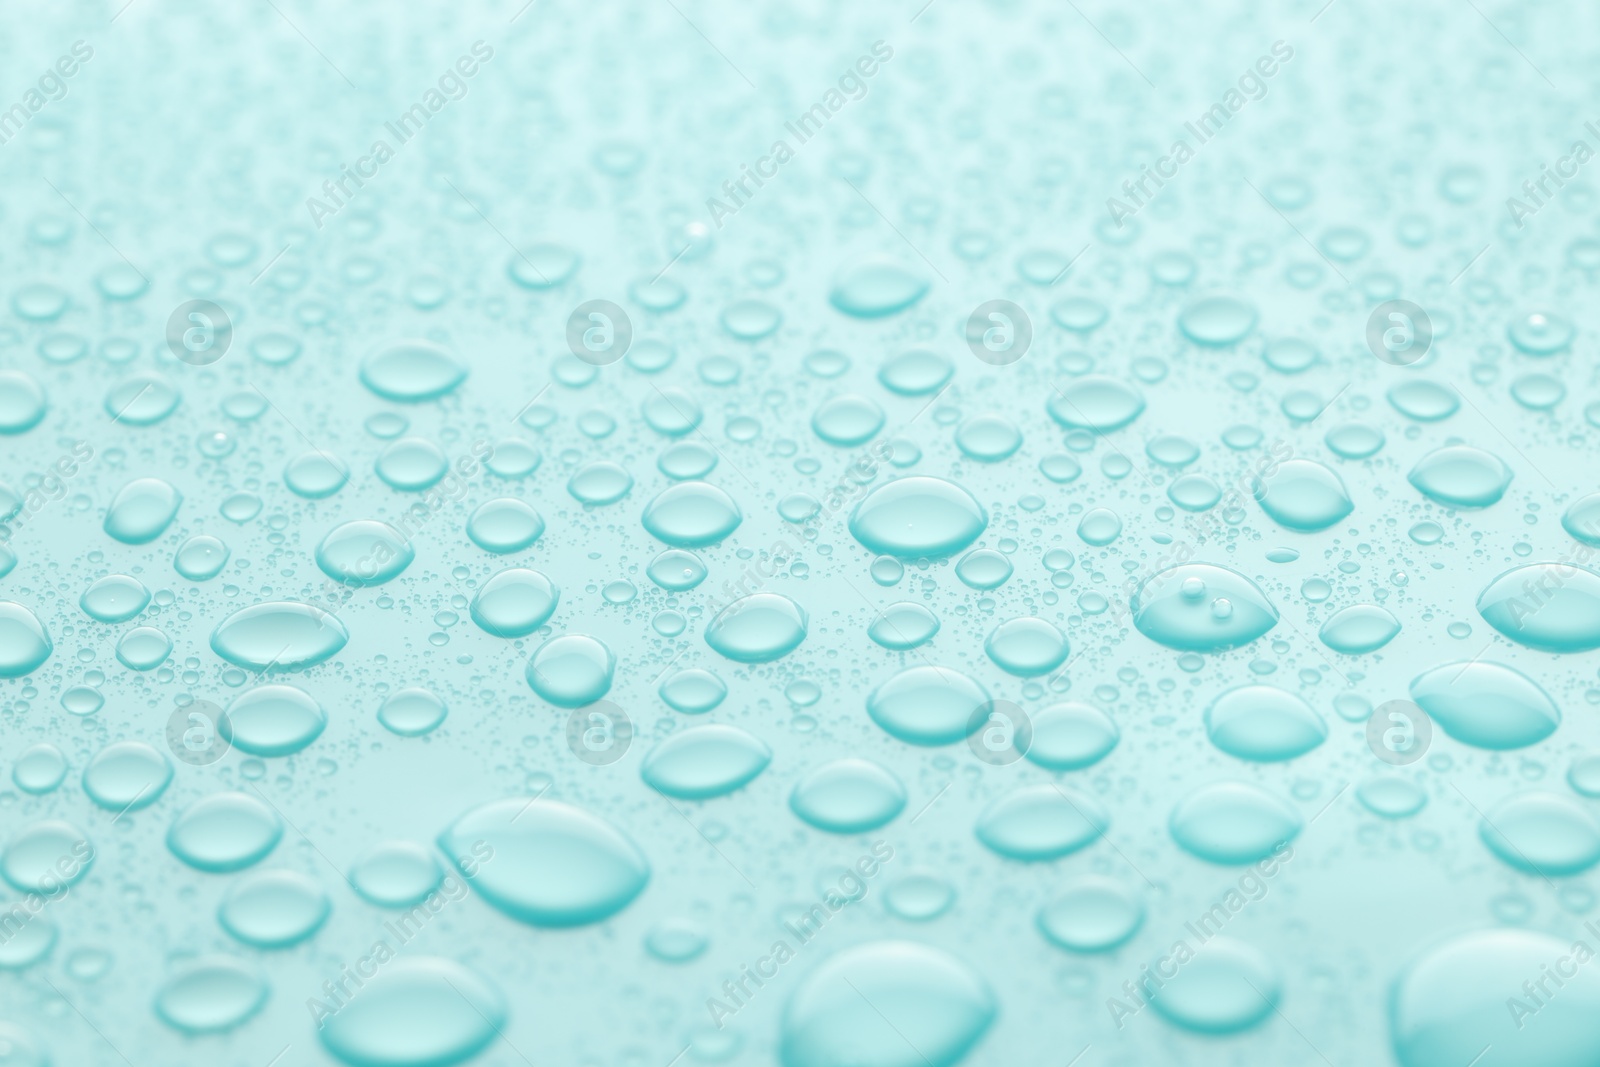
(364,552)
(758,628)
(46,856)
(876,288)
(1026,647)
(127,776)
(1542,833)
(142,510)
(1264,723)
(210,995)
(1227,987)
(572,670)
(1041,822)
(1070,736)
(504,525)
(417,1010)
(886,1004)
(273,909)
(1302,495)
(691,515)
(927,705)
(1217,321)
(705,761)
(1093,913)
(917,517)
(1358,629)
(848,796)
(1233,823)
(24,644)
(514,602)
(279,635)
(1486,704)
(411,371)
(554,864)
(396,874)
(1460,476)
(224,832)
(1202,607)
(1554,607)
(903,625)
(273,720)
(1095,402)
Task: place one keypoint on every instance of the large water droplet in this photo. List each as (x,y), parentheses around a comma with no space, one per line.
(1542,833)
(24,644)
(1264,723)
(691,515)
(514,602)
(1093,913)
(1226,987)
(1041,822)
(848,796)
(142,510)
(1302,495)
(127,776)
(273,720)
(411,371)
(554,864)
(1095,402)
(1486,704)
(705,761)
(280,634)
(903,625)
(758,628)
(1359,628)
(1026,647)
(224,832)
(928,705)
(1554,607)
(572,670)
(1202,607)
(418,1011)
(210,995)
(46,856)
(364,552)
(886,1004)
(273,909)
(876,288)
(918,517)
(1450,1004)
(1233,823)
(1460,476)
(1071,735)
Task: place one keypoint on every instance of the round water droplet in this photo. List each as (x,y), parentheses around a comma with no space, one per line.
(600,484)
(904,625)
(411,371)
(224,832)
(1227,987)
(273,909)
(693,691)
(22,402)
(1233,823)
(848,796)
(758,628)
(989,438)
(917,517)
(1264,723)
(691,515)
(396,874)
(705,761)
(1540,333)
(572,670)
(983,568)
(201,558)
(1026,647)
(1095,402)
(1449,1004)
(1302,495)
(554,864)
(876,288)
(927,705)
(46,856)
(1092,914)
(916,373)
(39,769)
(142,510)
(1070,736)
(412,712)
(1542,833)
(1216,321)
(1100,527)
(514,602)
(1486,704)
(273,720)
(1359,629)
(1042,822)
(886,1004)
(279,634)
(24,644)
(847,420)
(315,475)
(1202,607)
(417,1010)
(1554,607)
(1460,476)
(127,776)
(210,995)
(411,464)
(504,525)
(364,552)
